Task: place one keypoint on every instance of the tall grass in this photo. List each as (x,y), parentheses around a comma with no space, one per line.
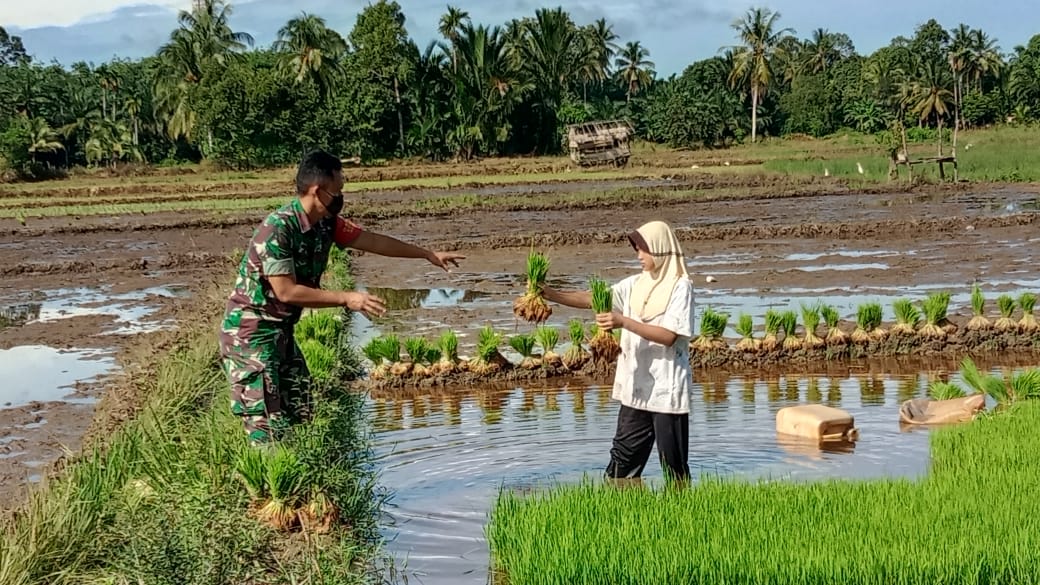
(161,499)
(969,521)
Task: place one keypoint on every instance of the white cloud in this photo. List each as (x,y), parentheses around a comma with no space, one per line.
(17,14)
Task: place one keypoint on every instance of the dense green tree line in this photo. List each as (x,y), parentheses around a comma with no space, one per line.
(484,90)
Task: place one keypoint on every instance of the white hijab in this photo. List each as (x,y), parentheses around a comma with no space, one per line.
(653,289)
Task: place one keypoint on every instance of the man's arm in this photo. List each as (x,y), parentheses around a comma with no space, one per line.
(577,299)
(389,246)
(288,291)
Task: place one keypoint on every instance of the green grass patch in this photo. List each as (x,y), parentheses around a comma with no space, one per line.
(999,154)
(970,521)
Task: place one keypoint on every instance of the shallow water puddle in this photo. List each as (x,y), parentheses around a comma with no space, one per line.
(40,373)
(445,456)
(130,309)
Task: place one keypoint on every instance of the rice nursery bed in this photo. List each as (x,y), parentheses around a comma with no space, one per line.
(970,521)
(792,338)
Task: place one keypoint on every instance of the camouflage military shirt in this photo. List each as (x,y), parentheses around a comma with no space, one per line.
(257,326)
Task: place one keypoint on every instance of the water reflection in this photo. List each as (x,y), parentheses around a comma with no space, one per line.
(447,452)
(414,298)
(19,314)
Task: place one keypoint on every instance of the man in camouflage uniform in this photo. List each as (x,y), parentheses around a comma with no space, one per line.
(279,275)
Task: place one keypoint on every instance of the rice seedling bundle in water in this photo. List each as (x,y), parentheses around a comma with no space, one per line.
(603,344)
(373,351)
(547,339)
(532,307)
(789,322)
(978,322)
(934,309)
(1006,304)
(523,344)
(1027,324)
(835,336)
(488,360)
(907,317)
(448,344)
(575,356)
(418,351)
(868,318)
(746,329)
(773,324)
(811,320)
(713,324)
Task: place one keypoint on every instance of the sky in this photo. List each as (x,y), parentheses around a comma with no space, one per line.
(676,32)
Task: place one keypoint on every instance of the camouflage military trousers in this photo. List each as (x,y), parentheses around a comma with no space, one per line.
(272,398)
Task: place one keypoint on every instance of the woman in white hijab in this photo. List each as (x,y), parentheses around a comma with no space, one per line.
(653,382)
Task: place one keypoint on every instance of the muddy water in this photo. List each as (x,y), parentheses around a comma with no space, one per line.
(55,347)
(446,456)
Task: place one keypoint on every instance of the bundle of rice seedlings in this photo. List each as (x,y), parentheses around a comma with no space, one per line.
(1027,323)
(284,480)
(876,331)
(1006,304)
(773,324)
(523,344)
(251,469)
(713,325)
(868,318)
(320,358)
(373,350)
(944,391)
(746,329)
(907,317)
(488,360)
(448,344)
(575,356)
(978,322)
(418,350)
(603,345)
(835,336)
(934,309)
(323,326)
(392,354)
(318,514)
(547,339)
(532,307)
(789,323)
(811,320)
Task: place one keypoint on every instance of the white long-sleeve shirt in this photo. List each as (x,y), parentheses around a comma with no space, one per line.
(651,376)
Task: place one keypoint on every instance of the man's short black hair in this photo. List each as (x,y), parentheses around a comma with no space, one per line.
(316,167)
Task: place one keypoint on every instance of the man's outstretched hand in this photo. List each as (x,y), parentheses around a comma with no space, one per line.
(362,302)
(443,259)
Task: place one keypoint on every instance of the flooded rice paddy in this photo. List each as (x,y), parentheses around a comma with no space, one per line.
(446,456)
(447,453)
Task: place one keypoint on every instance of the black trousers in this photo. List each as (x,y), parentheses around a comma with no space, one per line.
(635,436)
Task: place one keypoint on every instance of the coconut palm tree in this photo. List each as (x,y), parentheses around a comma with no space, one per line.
(487,85)
(449,26)
(42,138)
(311,52)
(985,58)
(600,48)
(753,58)
(203,38)
(931,95)
(634,68)
(553,53)
(959,56)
